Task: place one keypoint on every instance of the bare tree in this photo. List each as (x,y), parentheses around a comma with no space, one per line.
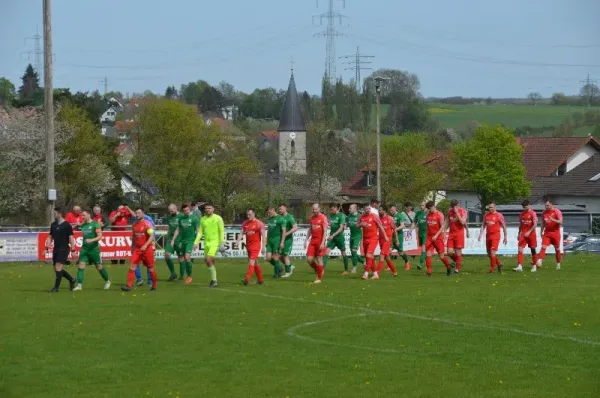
(534,97)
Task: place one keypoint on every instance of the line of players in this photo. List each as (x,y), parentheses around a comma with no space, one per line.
(374,227)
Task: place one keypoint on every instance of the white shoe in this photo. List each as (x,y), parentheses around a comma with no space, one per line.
(518,268)
(534,269)
(558,266)
(292,269)
(353,270)
(78,287)
(317,281)
(286,275)
(107,285)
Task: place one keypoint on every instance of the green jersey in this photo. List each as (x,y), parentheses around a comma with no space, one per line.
(335,220)
(400,218)
(421,220)
(173,223)
(188,226)
(89,231)
(352,221)
(290,222)
(275,227)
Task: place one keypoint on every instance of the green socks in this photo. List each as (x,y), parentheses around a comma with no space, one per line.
(181,269)
(404,257)
(422,258)
(103,273)
(277,266)
(345,263)
(213,273)
(354,259)
(80,273)
(188,267)
(171,265)
(288,268)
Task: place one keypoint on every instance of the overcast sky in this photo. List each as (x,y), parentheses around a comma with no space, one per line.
(462,47)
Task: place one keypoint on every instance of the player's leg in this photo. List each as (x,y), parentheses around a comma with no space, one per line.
(133,265)
(429,250)
(138,276)
(250,271)
(422,238)
(522,245)
(439,248)
(169,252)
(149,263)
(390,264)
(545,243)
(210,252)
(556,244)
(330,245)
(285,255)
(82,261)
(451,249)
(321,253)
(96,259)
(58,259)
(369,252)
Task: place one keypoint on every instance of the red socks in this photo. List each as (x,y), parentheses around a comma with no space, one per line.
(428,264)
(458,262)
(520,258)
(258,272)
(250,272)
(320,271)
(391,266)
(534,258)
(558,255)
(130,278)
(543,253)
(493,261)
(370,264)
(380,267)
(446,262)
(153,276)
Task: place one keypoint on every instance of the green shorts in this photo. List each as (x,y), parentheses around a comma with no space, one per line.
(210,249)
(355,242)
(399,243)
(338,242)
(90,256)
(184,248)
(422,235)
(287,247)
(172,249)
(273,246)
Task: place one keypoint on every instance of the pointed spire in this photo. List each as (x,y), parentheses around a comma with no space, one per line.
(291,117)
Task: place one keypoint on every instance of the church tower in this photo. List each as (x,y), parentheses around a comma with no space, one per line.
(292,134)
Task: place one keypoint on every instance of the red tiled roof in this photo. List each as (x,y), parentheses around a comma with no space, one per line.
(121,148)
(123,126)
(269,135)
(543,155)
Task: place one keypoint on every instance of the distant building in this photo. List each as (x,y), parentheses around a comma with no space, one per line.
(109,115)
(292,134)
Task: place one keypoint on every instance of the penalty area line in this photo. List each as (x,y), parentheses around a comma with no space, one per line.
(419,317)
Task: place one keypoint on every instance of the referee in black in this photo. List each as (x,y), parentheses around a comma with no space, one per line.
(61,233)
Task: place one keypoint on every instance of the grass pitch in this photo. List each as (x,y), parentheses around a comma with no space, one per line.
(471,335)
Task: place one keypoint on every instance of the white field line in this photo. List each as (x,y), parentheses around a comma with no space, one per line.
(419,317)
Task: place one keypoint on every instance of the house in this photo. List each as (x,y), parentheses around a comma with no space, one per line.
(109,115)
(229,110)
(124,129)
(108,130)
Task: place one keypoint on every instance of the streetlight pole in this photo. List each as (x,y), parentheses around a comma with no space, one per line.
(49,108)
(378,81)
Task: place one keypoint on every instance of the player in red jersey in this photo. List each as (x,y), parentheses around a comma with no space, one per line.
(435,238)
(527,236)
(371,227)
(552,220)
(315,241)
(457,223)
(256,242)
(142,250)
(385,247)
(493,222)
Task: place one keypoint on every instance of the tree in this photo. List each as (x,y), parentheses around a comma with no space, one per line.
(226,89)
(324,151)
(264,103)
(93,103)
(559,99)
(534,97)
(399,84)
(191,92)
(210,100)
(590,93)
(30,93)
(405,174)
(596,132)
(171,93)
(171,150)
(7,92)
(491,164)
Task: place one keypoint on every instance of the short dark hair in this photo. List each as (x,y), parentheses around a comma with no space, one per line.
(270,208)
(334,206)
(59,211)
(283,204)
(374,202)
(429,204)
(525,203)
(453,203)
(408,204)
(207,204)
(491,202)
(185,206)
(139,208)
(252,210)
(548,201)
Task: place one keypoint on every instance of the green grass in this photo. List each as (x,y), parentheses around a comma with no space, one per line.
(472,335)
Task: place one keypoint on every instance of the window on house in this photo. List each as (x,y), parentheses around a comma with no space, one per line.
(562,169)
(293,147)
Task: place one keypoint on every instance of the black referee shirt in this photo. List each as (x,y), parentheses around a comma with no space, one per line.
(61,234)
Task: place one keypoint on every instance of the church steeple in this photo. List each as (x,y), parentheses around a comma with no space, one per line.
(291,117)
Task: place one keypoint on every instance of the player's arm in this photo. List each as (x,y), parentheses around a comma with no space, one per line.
(98,237)
(324,226)
(198,236)
(150,232)
(441,223)
(482,230)
(504,229)
(221,231)
(240,236)
(464,221)
(396,230)
(263,237)
(308,235)
(72,242)
(559,217)
(381,229)
(283,235)
(293,229)
(534,222)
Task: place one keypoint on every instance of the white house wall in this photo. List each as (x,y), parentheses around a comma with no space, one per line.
(581,156)
(592,204)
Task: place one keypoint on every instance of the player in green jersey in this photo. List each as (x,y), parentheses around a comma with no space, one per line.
(213,229)
(185,233)
(276,233)
(355,236)
(336,238)
(402,220)
(170,250)
(420,224)
(90,251)
(290,228)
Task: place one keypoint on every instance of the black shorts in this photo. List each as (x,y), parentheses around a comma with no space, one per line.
(60,257)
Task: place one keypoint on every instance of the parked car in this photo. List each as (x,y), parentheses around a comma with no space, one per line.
(583,247)
(572,237)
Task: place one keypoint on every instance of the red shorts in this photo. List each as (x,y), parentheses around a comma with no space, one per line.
(456,240)
(253,252)
(530,241)
(437,245)
(143,257)
(385,248)
(551,239)
(369,246)
(491,244)
(314,249)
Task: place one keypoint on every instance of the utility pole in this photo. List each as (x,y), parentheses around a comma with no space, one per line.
(49,108)
(588,88)
(378,81)
(358,61)
(330,33)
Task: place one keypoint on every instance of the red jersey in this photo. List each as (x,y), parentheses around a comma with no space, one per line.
(122,219)
(435,222)
(551,226)
(254,231)
(389,225)
(370,226)
(73,218)
(455,224)
(142,231)
(318,227)
(527,220)
(493,222)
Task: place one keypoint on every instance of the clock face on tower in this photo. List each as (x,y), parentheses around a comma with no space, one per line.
(292,135)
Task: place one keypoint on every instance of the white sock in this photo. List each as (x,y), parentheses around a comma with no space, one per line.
(375,273)
(366,274)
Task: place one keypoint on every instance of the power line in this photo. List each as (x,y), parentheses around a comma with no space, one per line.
(357,68)
(330,34)
(588,88)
